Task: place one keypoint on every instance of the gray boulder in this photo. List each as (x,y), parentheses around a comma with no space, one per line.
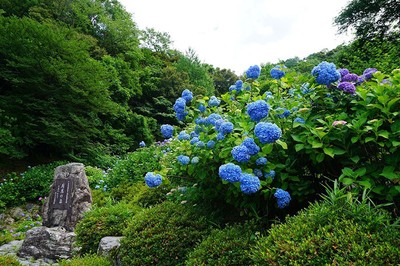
(107,244)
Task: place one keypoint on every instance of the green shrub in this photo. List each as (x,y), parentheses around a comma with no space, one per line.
(89,260)
(225,247)
(95,176)
(17,189)
(9,261)
(338,231)
(163,235)
(100,222)
(134,166)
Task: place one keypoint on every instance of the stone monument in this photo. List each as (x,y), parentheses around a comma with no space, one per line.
(69,199)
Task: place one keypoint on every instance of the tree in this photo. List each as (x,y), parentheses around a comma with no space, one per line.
(370,18)
(222,78)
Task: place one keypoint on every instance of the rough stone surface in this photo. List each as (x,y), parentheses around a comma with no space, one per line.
(107,244)
(49,243)
(11,247)
(70,197)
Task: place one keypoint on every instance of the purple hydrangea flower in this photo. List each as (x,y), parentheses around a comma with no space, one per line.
(350,78)
(325,73)
(240,153)
(153,180)
(368,73)
(257,110)
(187,95)
(282,198)
(267,132)
(347,87)
(261,161)
(277,72)
(183,159)
(213,101)
(251,146)
(249,183)
(230,172)
(343,72)
(167,131)
(253,72)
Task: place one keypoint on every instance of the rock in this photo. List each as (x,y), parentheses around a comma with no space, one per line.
(8,220)
(70,197)
(11,248)
(107,244)
(48,243)
(17,213)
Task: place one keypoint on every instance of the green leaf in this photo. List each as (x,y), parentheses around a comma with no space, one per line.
(282,143)
(347,181)
(297,138)
(361,171)
(383,134)
(368,139)
(355,159)
(338,151)
(347,171)
(365,183)
(320,157)
(388,172)
(395,143)
(355,139)
(316,144)
(299,147)
(329,151)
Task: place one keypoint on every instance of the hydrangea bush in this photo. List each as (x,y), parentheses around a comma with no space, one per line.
(260,149)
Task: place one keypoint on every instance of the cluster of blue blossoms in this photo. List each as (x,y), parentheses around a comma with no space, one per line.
(325,73)
(152,179)
(282,197)
(142,144)
(267,132)
(257,110)
(249,183)
(253,72)
(180,104)
(277,72)
(167,131)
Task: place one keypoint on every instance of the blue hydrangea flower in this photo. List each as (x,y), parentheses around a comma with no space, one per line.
(240,153)
(195,160)
(142,144)
(198,129)
(226,128)
(368,73)
(239,85)
(167,131)
(251,146)
(153,180)
(299,120)
(213,101)
(261,161)
(202,108)
(253,72)
(200,120)
(347,87)
(350,77)
(325,73)
(187,95)
(282,198)
(210,144)
(220,136)
(277,72)
(200,144)
(270,174)
(258,173)
(181,116)
(343,72)
(230,172)
(285,113)
(268,95)
(218,123)
(193,134)
(212,118)
(179,106)
(249,183)
(257,110)
(194,140)
(267,132)
(232,88)
(183,159)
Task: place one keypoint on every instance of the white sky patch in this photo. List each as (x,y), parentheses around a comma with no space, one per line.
(236,34)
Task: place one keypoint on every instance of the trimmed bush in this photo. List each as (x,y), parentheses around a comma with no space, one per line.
(225,247)
(100,222)
(163,235)
(338,232)
(89,260)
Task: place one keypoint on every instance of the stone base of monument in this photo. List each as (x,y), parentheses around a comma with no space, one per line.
(51,243)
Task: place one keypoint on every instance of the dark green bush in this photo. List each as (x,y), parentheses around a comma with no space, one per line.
(17,189)
(225,247)
(89,260)
(134,166)
(338,231)
(100,222)
(9,261)
(164,234)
